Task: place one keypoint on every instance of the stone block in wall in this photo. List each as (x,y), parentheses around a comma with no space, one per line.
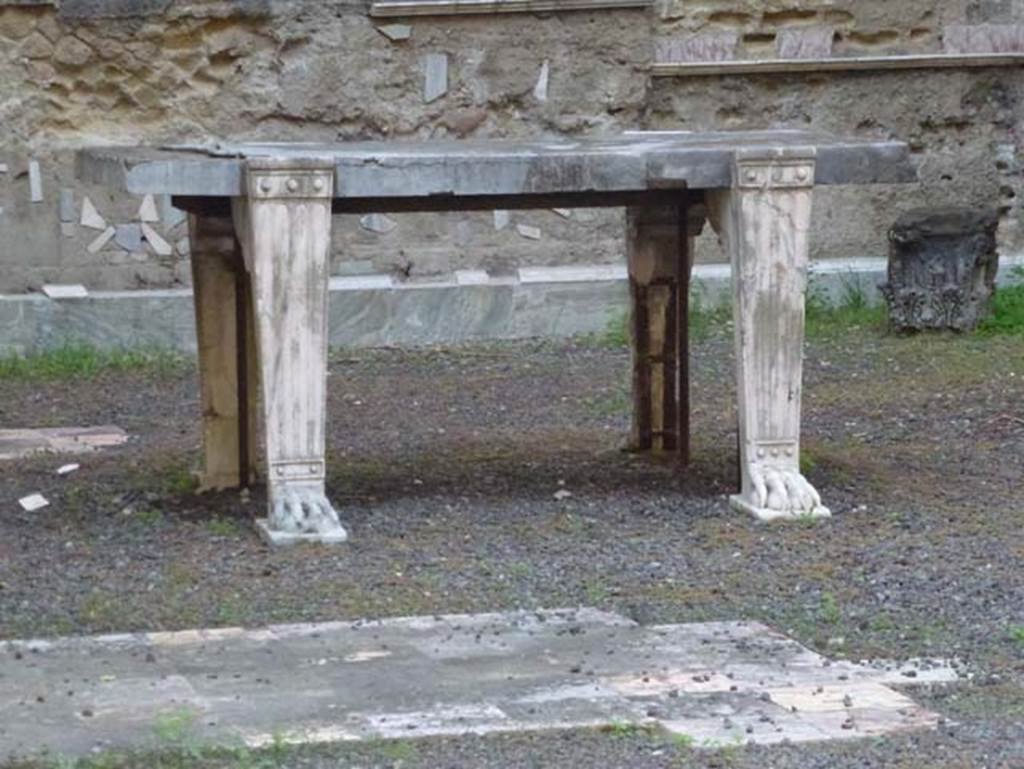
(711,46)
(984,38)
(130,9)
(1003,11)
(804,42)
(112,9)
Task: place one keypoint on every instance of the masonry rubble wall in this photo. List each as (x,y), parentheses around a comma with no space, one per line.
(81,72)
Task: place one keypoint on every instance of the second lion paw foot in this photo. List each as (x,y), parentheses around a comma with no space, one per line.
(304,511)
(781,494)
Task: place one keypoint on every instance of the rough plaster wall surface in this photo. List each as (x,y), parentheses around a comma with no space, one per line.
(82,72)
(106,71)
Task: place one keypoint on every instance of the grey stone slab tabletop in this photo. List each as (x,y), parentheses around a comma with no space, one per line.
(633,161)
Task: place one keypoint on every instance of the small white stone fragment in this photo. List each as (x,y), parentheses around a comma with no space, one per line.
(366,656)
(67,469)
(562,494)
(472,277)
(66,206)
(377,223)
(360,282)
(3,168)
(91,217)
(161,246)
(65,290)
(33,502)
(147,211)
(396,32)
(565,213)
(35,182)
(128,236)
(540,90)
(101,240)
(532,233)
(435,76)
(501,219)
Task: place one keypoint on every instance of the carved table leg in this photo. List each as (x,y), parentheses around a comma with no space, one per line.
(226,366)
(284,224)
(764,221)
(659,252)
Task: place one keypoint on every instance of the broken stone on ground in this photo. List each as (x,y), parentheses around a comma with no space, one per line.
(16,443)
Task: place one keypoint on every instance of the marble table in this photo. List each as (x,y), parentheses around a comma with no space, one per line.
(260,230)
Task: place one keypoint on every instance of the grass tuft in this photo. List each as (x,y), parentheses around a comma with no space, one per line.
(616,333)
(1007,308)
(705,318)
(626,729)
(76,360)
(854,309)
(1017,635)
(223,527)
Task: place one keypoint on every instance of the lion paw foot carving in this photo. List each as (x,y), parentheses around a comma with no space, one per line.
(781,494)
(304,511)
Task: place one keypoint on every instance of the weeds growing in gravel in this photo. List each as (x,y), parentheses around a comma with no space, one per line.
(230,611)
(149,516)
(76,360)
(854,309)
(100,608)
(1017,634)
(616,333)
(194,755)
(223,527)
(179,479)
(596,592)
(175,729)
(829,609)
(622,729)
(397,751)
(705,317)
(684,741)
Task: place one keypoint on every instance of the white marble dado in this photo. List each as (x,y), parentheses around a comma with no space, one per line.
(164,317)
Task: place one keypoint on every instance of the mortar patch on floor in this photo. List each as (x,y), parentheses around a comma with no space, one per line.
(719,683)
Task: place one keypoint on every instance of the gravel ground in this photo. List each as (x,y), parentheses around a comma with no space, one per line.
(446,464)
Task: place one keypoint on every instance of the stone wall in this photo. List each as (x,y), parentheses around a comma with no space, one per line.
(80,72)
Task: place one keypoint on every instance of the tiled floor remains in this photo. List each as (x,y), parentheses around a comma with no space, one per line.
(719,683)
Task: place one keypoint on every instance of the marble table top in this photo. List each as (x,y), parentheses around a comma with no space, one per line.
(632,162)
